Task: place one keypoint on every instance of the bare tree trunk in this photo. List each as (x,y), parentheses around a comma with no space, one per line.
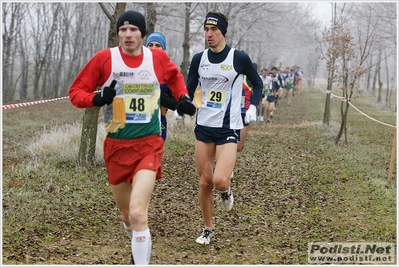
(62,39)
(379,76)
(14,11)
(387,74)
(368,79)
(390,95)
(327,107)
(151,18)
(376,74)
(76,43)
(24,59)
(24,79)
(343,128)
(373,87)
(346,128)
(39,37)
(347,93)
(380,84)
(186,43)
(48,88)
(88,138)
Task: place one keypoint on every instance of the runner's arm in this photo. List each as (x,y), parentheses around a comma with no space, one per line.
(193,76)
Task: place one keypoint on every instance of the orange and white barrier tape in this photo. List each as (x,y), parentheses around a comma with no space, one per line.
(364,114)
(329,91)
(33,103)
(38,102)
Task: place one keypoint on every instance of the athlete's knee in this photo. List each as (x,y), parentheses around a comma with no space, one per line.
(205,182)
(221,182)
(137,215)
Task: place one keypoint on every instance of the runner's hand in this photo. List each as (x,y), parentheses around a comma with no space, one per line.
(250,115)
(168,102)
(185,106)
(106,96)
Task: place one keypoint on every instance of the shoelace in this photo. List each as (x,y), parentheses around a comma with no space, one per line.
(207,233)
(226,195)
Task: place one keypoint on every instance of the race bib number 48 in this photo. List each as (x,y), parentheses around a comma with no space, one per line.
(137,109)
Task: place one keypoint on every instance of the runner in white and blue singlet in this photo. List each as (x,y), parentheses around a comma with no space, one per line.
(219,70)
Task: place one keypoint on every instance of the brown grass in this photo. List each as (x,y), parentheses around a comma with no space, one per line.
(291,186)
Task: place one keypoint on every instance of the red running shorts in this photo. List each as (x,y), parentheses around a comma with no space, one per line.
(125,157)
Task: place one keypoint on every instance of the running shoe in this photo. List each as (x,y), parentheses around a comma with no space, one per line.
(227,200)
(261,119)
(205,237)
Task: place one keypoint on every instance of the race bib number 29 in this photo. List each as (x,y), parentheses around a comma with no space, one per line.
(216,99)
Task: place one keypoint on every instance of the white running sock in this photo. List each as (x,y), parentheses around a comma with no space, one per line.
(128,230)
(141,247)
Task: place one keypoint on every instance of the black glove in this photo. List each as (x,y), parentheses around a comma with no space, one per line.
(168,102)
(184,106)
(108,96)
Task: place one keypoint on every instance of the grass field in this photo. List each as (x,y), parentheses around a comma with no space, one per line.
(291,186)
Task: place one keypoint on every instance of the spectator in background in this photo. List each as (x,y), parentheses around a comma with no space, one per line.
(157,40)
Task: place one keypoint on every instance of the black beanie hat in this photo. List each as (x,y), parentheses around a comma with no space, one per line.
(134,18)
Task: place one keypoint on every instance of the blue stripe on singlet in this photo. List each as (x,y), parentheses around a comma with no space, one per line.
(226,119)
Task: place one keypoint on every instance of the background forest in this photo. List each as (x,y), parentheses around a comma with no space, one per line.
(45,44)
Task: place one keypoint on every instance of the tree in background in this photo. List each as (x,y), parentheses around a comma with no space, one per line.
(330,57)
(372,44)
(347,70)
(88,138)
(186,42)
(11,15)
(53,42)
(151,19)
